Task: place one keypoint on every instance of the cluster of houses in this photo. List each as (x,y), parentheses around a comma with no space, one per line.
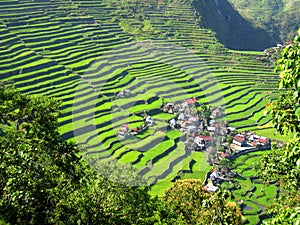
(126,132)
(250,140)
(202,128)
(187,118)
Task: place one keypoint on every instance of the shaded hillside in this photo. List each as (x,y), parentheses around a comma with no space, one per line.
(278,17)
(231,28)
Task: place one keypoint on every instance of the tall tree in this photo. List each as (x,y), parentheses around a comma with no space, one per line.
(284,164)
(196,206)
(36,166)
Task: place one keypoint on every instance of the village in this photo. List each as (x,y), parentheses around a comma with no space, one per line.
(204,129)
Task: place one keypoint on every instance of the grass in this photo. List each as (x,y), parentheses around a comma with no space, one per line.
(159,149)
(130,156)
(271,133)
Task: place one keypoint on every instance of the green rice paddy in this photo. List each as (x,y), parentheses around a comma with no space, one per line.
(249,188)
(83,55)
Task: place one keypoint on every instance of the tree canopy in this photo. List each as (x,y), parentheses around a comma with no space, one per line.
(195,205)
(283,164)
(44,180)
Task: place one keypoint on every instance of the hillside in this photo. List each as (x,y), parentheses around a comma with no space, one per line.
(231,28)
(90,54)
(279,17)
(86,52)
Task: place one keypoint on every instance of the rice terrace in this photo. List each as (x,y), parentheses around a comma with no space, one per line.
(144,83)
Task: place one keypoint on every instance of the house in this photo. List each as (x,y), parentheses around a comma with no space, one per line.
(173,123)
(223,155)
(240,140)
(188,126)
(216,112)
(279,45)
(264,141)
(214,175)
(149,121)
(135,131)
(123,131)
(205,138)
(168,108)
(211,188)
(124,93)
(211,129)
(191,101)
(212,122)
(181,116)
(288,42)
(194,119)
(202,141)
(231,129)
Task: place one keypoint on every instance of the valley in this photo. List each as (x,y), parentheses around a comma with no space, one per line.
(111,63)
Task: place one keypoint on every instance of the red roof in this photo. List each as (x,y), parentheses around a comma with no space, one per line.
(239,139)
(224,155)
(135,129)
(288,42)
(191,100)
(262,140)
(205,138)
(254,143)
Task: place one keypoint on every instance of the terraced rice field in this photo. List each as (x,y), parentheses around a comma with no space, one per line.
(80,53)
(256,195)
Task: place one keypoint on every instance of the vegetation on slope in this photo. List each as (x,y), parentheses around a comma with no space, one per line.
(231,28)
(44,180)
(278,17)
(82,53)
(284,164)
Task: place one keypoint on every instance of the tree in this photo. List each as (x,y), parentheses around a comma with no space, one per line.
(225,164)
(284,164)
(104,201)
(196,206)
(44,180)
(36,166)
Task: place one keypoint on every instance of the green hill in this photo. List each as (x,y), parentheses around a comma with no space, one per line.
(231,28)
(279,17)
(84,52)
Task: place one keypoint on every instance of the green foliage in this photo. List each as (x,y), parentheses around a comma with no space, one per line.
(36,166)
(284,164)
(286,110)
(44,180)
(280,17)
(225,164)
(107,202)
(197,206)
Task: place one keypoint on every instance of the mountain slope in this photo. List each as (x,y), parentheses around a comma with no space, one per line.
(279,17)
(86,52)
(231,28)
